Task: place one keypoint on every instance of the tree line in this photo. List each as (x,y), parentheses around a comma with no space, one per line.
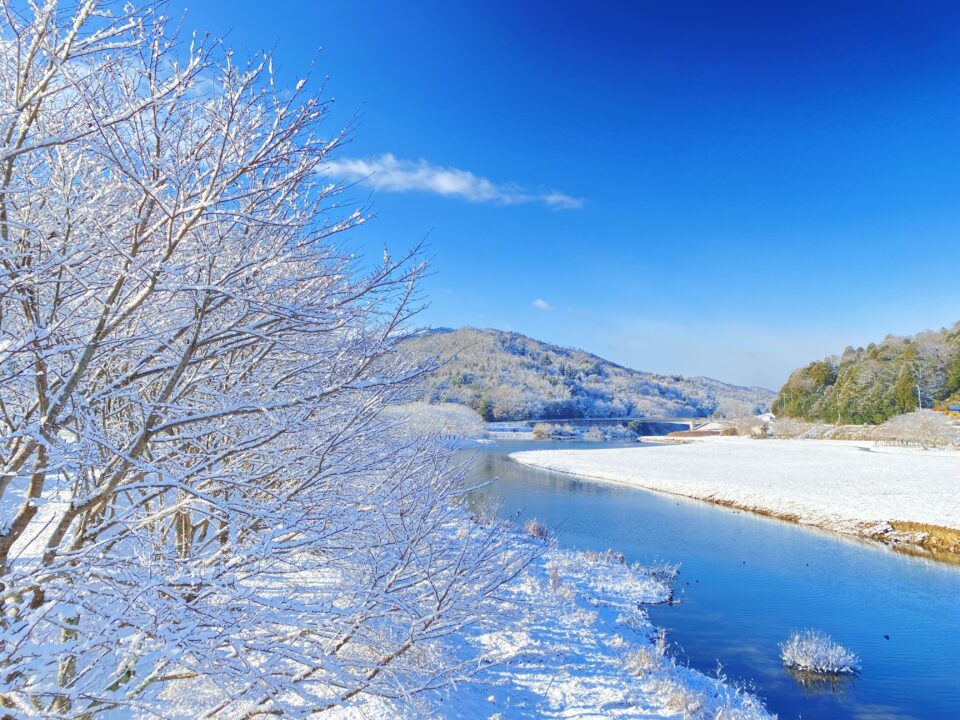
(872,384)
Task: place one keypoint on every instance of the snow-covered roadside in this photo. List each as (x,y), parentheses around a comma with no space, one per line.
(887,493)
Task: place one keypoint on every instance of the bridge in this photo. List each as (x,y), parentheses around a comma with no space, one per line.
(686,423)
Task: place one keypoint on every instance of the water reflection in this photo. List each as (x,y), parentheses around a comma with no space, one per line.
(821,683)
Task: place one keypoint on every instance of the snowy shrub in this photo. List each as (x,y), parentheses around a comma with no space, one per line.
(744,708)
(687,701)
(816,652)
(695,697)
(542,431)
(637,619)
(785,427)
(546,431)
(663,570)
(536,529)
(927,428)
(609,555)
(560,588)
(621,432)
(920,428)
(643,659)
(553,573)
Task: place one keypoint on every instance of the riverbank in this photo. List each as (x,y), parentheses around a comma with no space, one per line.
(575,641)
(582,645)
(906,497)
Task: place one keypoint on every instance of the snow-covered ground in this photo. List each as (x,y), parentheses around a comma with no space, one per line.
(577,643)
(582,646)
(850,487)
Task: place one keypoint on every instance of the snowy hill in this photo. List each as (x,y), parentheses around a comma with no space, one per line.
(508,376)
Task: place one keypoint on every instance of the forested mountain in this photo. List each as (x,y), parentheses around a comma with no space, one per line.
(507,376)
(872,384)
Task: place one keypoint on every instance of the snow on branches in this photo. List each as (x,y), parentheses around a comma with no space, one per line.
(197,483)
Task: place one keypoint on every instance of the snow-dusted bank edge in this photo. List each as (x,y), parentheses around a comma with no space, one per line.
(576,642)
(582,645)
(909,498)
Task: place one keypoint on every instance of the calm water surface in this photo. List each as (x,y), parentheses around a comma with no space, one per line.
(746,582)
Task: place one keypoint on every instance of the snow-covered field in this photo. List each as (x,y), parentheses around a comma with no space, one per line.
(850,487)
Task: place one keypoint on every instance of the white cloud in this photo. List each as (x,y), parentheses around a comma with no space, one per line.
(540,304)
(389,174)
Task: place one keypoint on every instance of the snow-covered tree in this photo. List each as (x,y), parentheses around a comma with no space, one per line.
(197,481)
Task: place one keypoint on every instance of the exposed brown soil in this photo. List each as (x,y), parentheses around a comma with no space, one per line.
(910,538)
(934,539)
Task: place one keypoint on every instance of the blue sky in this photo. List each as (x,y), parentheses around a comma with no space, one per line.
(728,189)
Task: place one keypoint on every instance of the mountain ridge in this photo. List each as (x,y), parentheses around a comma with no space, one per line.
(506,375)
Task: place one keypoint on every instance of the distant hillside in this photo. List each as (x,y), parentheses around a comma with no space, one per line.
(507,376)
(872,384)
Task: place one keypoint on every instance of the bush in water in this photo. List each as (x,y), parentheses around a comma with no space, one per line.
(815,651)
(536,529)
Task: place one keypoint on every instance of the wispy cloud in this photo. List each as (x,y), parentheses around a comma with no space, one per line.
(390,174)
(540,304)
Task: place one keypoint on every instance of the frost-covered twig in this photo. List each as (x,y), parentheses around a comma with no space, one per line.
(198,478)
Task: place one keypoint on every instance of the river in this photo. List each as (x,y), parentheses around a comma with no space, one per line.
(747,581)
